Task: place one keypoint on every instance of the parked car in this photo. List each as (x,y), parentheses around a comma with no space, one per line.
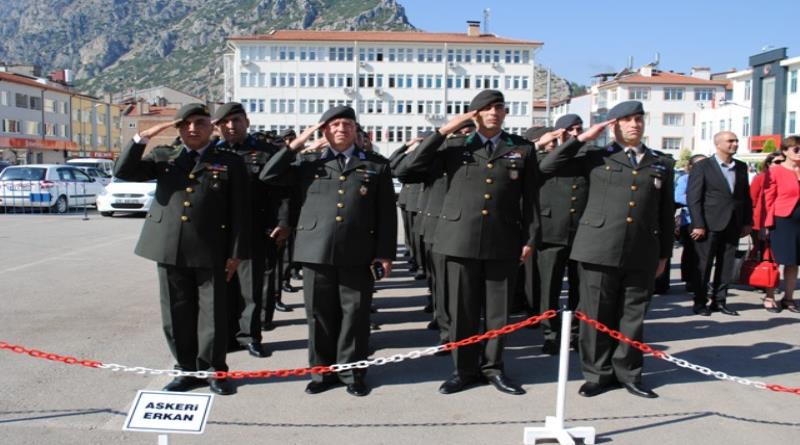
(128,197)
(104,165)
(99,175)
(52,186)
(4,164)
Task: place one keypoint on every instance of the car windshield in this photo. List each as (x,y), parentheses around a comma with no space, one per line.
(23,174)
(116,179)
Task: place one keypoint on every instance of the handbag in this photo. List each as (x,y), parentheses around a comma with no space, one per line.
(762,273)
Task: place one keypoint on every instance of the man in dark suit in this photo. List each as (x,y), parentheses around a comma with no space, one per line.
(623,242)
(347,223)
(269,226)
(721,210)
(486,229)
(197,230)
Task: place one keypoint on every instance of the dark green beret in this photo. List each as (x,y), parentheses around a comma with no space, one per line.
(624,109)
(341,111)
(567,121)
(226,110)
(486,98)
(287,133)
(534,133)
(192,109)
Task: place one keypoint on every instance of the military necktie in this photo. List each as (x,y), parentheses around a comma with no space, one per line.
(489,147)
(342,161)
(632,157)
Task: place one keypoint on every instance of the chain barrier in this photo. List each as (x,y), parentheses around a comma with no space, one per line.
(362,364)
(647,349)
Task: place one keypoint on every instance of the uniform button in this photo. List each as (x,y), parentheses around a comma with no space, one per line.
(484,212)
(444,174)
(189,190)
(634,173)
(339,219)
(490,165)
(342,178)
(629,220)
(489,181)
(487,196)
(632,204)
(316,176)
(340,205)
(371,232)
(184,218)
(572,210)
(222,226)
(608,168)
(634,188)
(341,192)
(187,204)
(574,187)
(300,227)
(428,214)
(574,198)
(191,176)
(464,162)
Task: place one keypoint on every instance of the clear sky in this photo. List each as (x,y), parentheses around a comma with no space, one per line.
(582,38)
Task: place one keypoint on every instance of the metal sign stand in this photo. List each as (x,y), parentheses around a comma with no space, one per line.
(554,426)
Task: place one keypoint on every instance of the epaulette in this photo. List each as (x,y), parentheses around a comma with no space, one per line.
(165,152)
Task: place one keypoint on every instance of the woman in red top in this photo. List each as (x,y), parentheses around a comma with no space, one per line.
(781,216)
(757,196)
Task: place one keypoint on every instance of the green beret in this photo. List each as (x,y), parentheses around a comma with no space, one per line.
(534,133)
(190,110)
(287,133)
(567,121)
(226,110)
(625,109)
(342,111)
(486,98)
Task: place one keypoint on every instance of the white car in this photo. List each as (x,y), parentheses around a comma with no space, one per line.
(124,196)
(47,186)
(99,175)
(104,165)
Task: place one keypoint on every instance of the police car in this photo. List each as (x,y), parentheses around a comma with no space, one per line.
(47,186)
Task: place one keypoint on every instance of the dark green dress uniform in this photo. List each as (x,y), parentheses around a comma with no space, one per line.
(402,198)
(624,231)
(413,191)
(347,219)
(487,217)
(198,219)
(562,198)
(252,291)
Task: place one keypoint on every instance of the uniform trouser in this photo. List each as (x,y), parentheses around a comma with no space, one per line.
(337,301)
(438,277)
(617,297)
(532,286)
(551,261)
(287,256)
(194,316)
(474,285)
(419,250)
(271,282)
(406,228)
(717,249)
(411,236)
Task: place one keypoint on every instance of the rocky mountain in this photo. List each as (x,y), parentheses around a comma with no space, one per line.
(115,44)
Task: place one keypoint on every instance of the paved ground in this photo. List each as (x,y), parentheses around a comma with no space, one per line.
(74,287)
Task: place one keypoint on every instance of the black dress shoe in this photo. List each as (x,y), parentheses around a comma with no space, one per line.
(591,389)
(287,287)
(318,387)
(638,390)
(550,347)
(420,275)
(258,350)
(374,326)
(701,310)
(456,384)
(281,307)
(296,275)
(357,388)
(504,384)
(222,387)
(267,326)
(724,309)
(182,384)
(428,309)
(433,325)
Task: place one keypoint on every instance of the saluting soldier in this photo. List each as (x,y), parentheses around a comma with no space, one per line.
(197,231)
(486,229)
(623,242)
(269,209)
(288,268)
(347,223)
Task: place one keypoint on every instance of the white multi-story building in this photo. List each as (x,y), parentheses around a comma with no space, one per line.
(728,113)
(792,95)
(670,101)
(399,83)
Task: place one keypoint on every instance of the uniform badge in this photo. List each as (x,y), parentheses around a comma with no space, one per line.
(363,190)
(513,173)
(657,183)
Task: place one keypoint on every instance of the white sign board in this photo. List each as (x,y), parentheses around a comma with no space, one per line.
(168,412)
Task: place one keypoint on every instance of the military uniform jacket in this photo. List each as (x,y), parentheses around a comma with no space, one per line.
(269,204)
(562,198)
(628,218)
(394,160)
(199,216)
(434,184)
(487,212)
(347,217)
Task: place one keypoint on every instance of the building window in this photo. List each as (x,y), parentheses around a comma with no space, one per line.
(639,94)
(703,131)
(703,94)
(673,94)
(792,121)
(747,89)
(4,98)
(793,81)
(671,143)
(746,126)
(21,100)
(673,119)
(722,125)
